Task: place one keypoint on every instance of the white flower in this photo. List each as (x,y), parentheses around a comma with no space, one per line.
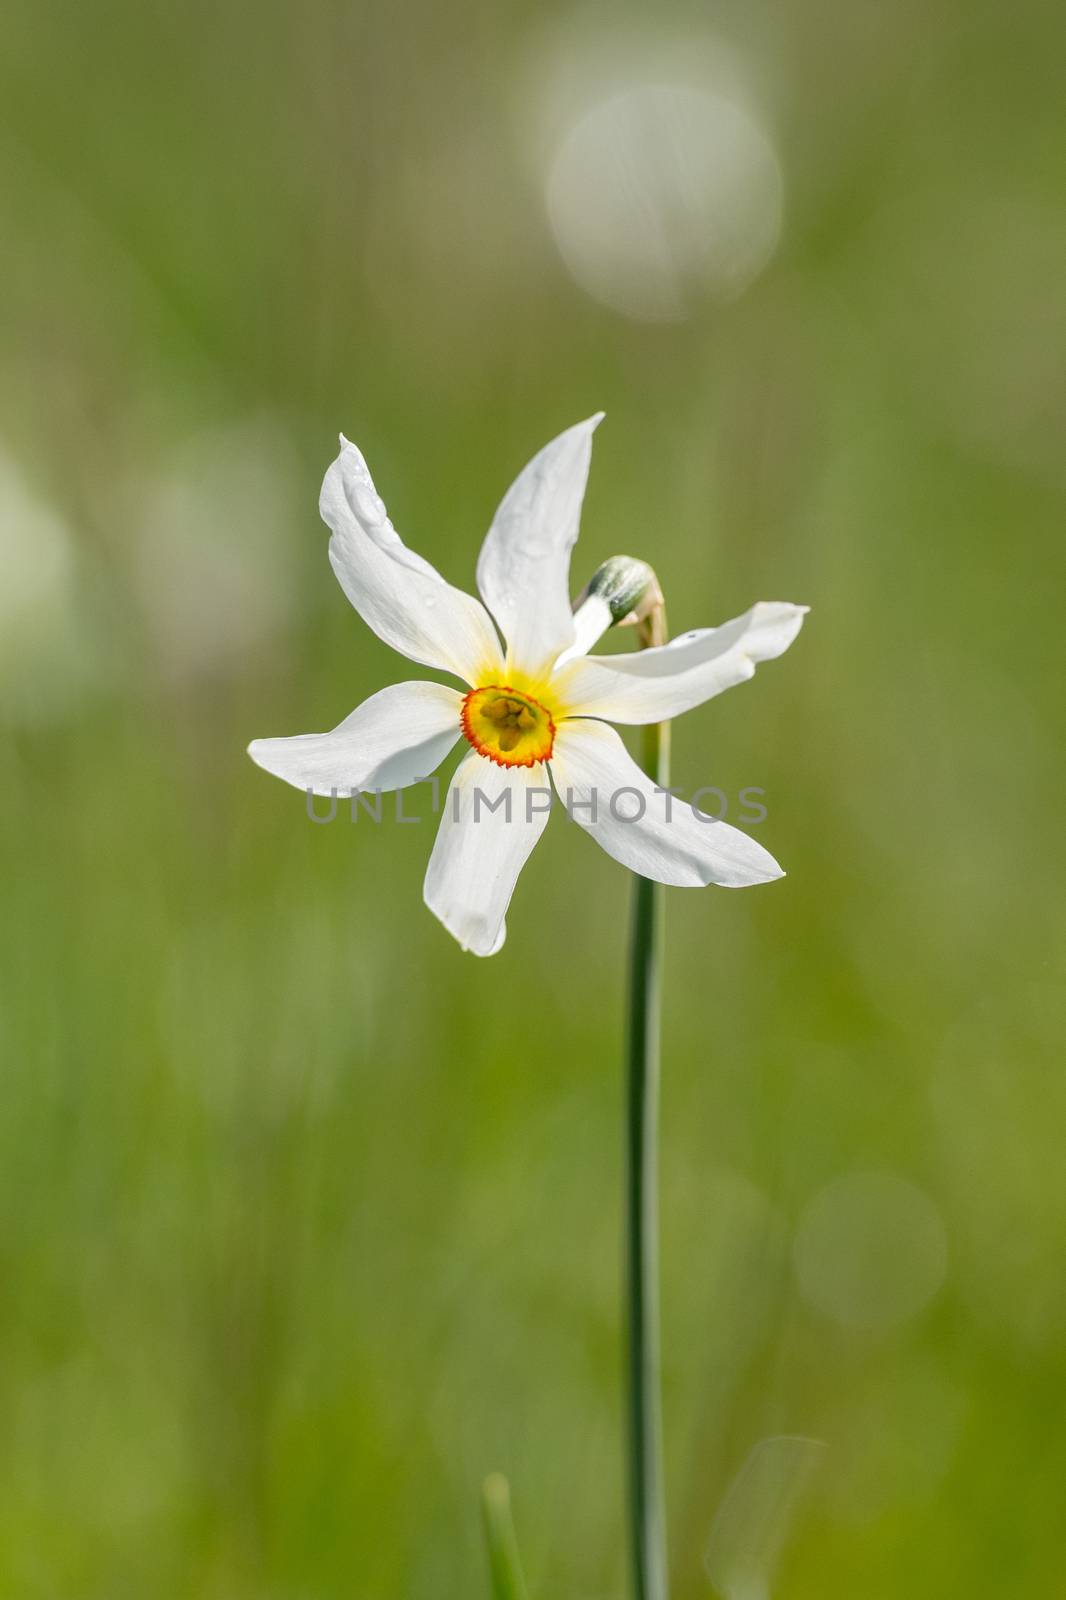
(539,708)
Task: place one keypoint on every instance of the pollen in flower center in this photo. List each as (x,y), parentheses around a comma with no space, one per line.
(508,727)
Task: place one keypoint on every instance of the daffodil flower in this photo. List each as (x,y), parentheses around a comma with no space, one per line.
(534,714)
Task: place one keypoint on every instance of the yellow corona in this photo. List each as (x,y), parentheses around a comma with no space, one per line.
(508,726)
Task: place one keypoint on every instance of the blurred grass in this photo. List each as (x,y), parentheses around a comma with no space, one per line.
(308,1221)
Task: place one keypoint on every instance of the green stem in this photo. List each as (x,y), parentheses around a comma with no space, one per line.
(507,1580)
(647,1514)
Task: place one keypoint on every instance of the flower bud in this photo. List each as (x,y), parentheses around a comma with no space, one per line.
(622,593)
(628,587)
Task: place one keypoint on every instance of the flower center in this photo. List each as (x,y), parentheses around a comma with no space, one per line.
(508,727)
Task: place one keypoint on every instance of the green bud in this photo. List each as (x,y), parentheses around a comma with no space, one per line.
(628,587)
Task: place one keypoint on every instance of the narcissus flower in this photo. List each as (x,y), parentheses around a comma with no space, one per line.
(535,712)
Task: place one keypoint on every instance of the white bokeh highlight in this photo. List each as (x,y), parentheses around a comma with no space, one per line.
(662,194)
(870,1251)
(214,556)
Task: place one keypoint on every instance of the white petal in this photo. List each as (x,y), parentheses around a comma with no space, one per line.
(590,765)
(592,619)
(400,596)
(652,685)
(523,571)
(397,737)
(479,852)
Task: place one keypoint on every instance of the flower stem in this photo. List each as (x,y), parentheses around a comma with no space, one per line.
(647,1514)
(507,1580)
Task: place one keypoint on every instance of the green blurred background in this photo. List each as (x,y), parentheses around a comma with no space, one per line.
(309,1220)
